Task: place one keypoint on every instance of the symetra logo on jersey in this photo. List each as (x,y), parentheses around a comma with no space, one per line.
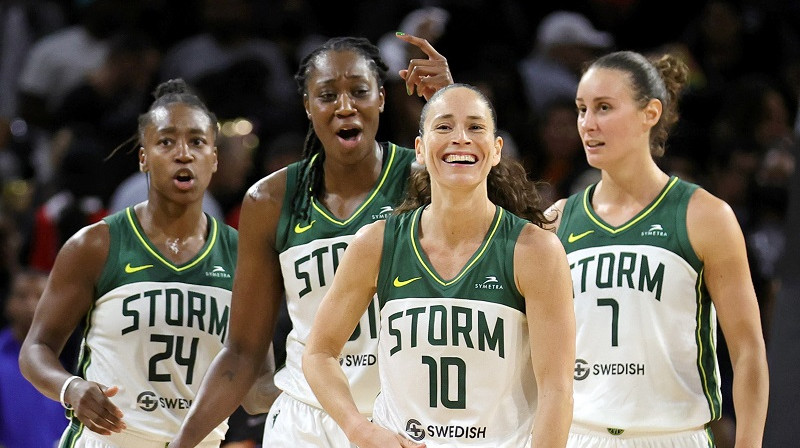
(655,230)
(383,213)
(491,282)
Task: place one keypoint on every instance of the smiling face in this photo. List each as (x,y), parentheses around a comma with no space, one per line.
(344,103)
(611,124)
(458,145)
(179,153)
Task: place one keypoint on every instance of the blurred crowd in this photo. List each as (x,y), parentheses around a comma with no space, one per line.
(76,74)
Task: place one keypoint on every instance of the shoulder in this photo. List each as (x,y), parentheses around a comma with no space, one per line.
(554,212)
(537,241)
(87,250)
(710,222)
(269,189)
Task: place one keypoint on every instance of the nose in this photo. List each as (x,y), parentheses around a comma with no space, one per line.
(586,121)
(183,153)
(344,104)
(461,136)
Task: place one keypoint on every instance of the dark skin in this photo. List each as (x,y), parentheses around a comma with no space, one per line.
(342,92)
(179,153)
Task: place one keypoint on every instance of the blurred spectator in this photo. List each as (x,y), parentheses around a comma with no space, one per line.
(22,22)
(28,419)
(559,159)
(230,36)
(58,62)
(565,40)
(76,204)
(102,110)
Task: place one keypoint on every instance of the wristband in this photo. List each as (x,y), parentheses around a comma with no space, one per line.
(64,391)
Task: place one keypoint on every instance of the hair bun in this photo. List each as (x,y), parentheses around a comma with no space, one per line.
(173,86)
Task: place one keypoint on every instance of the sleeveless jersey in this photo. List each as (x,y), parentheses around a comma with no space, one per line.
(646,327)
(155,327)
(309,253)
(454,355)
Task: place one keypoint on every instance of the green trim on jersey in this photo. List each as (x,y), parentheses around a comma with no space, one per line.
(137,229)
(386,170)
(488,275)
(645,258)
(423,259)
(387,192)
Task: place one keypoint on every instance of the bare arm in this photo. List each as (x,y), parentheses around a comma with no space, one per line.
(352,290)
(425,75)
(257,292)
(542,275)
(66,300)
(717,238)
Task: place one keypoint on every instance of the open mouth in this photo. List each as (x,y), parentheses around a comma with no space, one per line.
(349,134)
(461,159)
(184,177)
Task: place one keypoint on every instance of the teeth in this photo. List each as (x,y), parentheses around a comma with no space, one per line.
(460,158)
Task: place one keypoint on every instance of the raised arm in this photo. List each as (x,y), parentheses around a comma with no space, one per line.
(257,292)
(425,75)
(352,290)
(66,300)
(717,238)
(542,274)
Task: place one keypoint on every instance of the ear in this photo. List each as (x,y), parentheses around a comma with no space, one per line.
(305,105)
(216,161)
(142,160)
(498,150)
(420,150)
(382,98)
(652,112)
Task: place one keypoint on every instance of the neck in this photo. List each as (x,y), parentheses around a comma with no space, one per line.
(456,217)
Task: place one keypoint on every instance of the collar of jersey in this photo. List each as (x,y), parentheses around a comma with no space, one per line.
(423,259)
(140,235)
(386,169)
(587,207)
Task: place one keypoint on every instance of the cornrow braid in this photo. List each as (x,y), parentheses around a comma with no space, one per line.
(310,180)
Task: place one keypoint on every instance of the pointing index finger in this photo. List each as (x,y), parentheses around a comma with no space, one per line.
(420,43)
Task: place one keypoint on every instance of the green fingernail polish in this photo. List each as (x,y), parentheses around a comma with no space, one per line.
(400,33)
(408,90)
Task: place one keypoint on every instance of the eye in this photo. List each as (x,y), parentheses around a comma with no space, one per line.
(327,97)
(198,141)
(164,142)
(604,107)
(360,92)
(442,127)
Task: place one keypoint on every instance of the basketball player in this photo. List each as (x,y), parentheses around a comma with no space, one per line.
(153,283)
(654,260)
(295,226)
(476,313)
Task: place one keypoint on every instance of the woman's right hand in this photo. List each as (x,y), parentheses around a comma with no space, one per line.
(91,405)
(371,435)
(426,76)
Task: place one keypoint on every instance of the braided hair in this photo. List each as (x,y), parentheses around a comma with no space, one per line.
(310,182)
(175,91)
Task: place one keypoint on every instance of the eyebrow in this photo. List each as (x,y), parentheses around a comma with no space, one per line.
(173,129)
(471,117)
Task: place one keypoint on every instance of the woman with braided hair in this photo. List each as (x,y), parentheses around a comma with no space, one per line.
(296,224)
(152,284)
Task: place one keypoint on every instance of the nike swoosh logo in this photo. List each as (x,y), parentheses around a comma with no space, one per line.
(572,237)
(300,229)
(131,269)
(400,283)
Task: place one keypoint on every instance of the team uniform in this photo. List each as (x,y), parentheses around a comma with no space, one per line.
(646,372)
(454,354)
(309,252)
(153,330)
